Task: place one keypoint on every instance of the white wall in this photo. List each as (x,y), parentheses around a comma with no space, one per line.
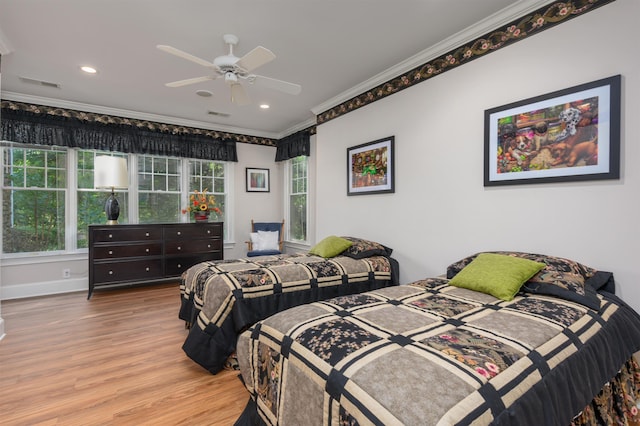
(441,212)
(41,275)
(259,206)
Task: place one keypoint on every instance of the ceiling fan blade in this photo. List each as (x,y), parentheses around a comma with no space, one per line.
(185,55)
(272,83)
(188,81)
(256,58)
(239,95)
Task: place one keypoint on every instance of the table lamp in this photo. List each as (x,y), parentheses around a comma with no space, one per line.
(110,172)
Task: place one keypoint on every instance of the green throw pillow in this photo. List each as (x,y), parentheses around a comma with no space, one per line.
(498,275)
(330,246)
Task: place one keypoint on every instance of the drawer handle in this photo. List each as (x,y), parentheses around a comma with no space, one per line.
(110,251)
(110,272)
(179,266)
(208,231)
(179,248)
(179,233)
(208,245)
(146,234)
(147,250)
(147,269)
(110,236)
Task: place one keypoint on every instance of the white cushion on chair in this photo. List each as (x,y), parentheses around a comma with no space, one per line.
(264,240)
(255,241)
(269,240)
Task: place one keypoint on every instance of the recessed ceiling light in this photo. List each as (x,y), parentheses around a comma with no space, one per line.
(264,106)
(88,69)
(204,93)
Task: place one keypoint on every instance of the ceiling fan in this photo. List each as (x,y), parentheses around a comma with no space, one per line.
(234,70)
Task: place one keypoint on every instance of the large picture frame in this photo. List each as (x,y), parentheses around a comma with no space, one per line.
(370,167)
(567,135)
(257,180)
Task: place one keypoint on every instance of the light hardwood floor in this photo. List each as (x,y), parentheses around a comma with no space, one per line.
(116,359)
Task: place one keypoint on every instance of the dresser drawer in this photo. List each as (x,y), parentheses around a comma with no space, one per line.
(174,266)
(129,270)
(193,231)
(119,234)
(114,251)
(192,246)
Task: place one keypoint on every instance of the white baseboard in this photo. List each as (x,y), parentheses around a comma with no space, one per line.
(20,291)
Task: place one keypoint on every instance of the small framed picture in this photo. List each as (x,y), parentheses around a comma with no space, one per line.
(257,180)
(370,168)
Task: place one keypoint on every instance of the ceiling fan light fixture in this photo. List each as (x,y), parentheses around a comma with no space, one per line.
(233,70)
(230,78)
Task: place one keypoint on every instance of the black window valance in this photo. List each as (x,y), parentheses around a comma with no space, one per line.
(41,125)
(294,145)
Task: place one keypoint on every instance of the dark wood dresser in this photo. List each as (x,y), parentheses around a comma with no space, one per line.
(136,254)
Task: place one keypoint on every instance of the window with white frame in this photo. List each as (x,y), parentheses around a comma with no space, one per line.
(90,201)
(159,189)
(34,195)
(48,194)
(297,199)
(210,176)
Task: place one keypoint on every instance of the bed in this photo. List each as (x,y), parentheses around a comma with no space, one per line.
(486,344)
(219,299)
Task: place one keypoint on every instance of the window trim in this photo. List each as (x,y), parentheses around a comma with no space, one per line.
(287,202)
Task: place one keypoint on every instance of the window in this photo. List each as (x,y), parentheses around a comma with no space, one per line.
(90,201)
(210,176)
(298,198)
(49,198)
(34,197)
(159,189)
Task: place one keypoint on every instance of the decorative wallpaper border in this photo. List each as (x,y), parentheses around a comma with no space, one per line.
(519,29)
(89,117)
(543,18)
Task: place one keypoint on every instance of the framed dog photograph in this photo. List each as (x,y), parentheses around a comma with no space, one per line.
(568,135)
(370,167)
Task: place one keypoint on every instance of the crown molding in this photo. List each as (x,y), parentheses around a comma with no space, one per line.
(296,128)
(478,29)
(97,109)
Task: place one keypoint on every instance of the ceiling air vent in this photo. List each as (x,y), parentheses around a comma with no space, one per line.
(39,82)
(219,114)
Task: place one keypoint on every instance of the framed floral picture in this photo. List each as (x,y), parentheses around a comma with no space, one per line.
(568,135)
(370,167)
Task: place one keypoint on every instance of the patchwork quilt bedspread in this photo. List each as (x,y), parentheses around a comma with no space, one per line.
(429,353)
(222,298)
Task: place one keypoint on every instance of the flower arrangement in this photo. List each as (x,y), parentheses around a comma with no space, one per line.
(201,202)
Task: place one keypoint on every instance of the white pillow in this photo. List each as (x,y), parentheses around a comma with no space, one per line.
(255,241)
(268,240)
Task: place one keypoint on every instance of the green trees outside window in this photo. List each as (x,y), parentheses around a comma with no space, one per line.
(47,191)
(298,195)
(33,200)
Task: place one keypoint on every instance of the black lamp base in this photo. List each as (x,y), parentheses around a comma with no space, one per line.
(112,209)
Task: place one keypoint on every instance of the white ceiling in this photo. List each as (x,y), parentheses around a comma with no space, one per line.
(335,49)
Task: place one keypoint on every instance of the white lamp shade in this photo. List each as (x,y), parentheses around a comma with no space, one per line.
(110,172)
